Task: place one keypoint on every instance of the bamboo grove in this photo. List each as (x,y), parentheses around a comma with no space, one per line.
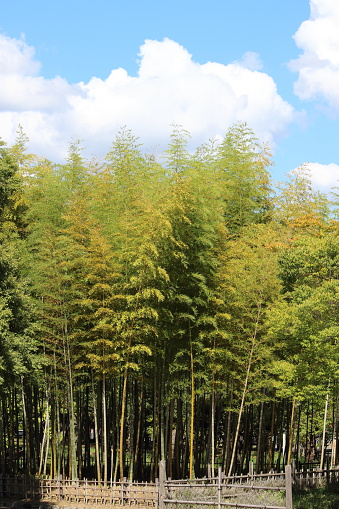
(180,307)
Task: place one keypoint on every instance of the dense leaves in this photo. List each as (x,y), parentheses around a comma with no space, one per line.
(164,309)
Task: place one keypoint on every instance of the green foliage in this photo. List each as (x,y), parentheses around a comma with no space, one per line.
(298,205)
(18,347)
(242,171)
(250,287)
(305,323)
(180,289)
(10,194)
(314,498)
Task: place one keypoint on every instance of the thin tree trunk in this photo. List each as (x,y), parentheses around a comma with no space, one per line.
(72,439)
(270,461)
(213,431)
(291,433)
(80,441)
(104,426)
(96,431)
(191,446)
(178,441)
(2,441)
(334,432)
(170,439)
(44,440)
(227,437)
(246,441)
(138,434)
(54,437)
(131,426)
(27,429)
(122,424)
(324,430)
(46,453)
(298,434)
(259,466)
(163,434)
(244,393)
(11,414)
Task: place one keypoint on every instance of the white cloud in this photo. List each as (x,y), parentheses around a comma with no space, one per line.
(16,57)
(251,60)
(318,65)
(324,176)
(169,88)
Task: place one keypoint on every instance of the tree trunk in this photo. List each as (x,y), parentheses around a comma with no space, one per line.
(259,465)
(191,446)
(122,424)
(170,439)
(104,428)
(244,393)
(2,438)
(27,429)
(138,434)
(270,460)
(213,431)
(44,444)
(96,431)
(291,433)
(324,430)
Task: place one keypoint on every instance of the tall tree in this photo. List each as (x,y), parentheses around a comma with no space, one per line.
(18,348)
(249,278)
(243,174)
(134,223)
(298,205)
(51,192)
(194,213)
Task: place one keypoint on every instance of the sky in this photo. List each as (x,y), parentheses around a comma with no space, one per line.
(82,70)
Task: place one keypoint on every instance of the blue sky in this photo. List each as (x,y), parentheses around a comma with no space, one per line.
(84,69)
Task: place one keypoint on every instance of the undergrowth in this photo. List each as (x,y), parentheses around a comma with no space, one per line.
(326,497)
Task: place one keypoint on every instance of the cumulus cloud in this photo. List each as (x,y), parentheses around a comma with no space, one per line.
(324,176)
(16,57)
(251,60)
(318,65)
(170,88)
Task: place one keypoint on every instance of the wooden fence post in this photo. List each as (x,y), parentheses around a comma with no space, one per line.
(293,466)
(62,484)
(288,480)
(250,469)
(162,478)
(219,487)
(123,490)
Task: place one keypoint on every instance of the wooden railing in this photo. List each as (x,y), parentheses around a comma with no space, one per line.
(80,491)
(165,493)
(315,477)
(260,491)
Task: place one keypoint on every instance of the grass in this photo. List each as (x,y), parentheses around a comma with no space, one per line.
(326,497)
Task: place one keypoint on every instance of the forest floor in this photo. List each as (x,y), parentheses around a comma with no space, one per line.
(48,504)
(317,498)
(320,498)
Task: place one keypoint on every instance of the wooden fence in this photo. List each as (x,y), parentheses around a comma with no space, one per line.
(80,491)
(315,477)
(260,491)
(218,491)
